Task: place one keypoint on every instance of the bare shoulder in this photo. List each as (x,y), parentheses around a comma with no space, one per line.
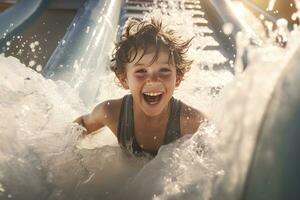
(107,107)
(190,119)
(104,114)
(108,112)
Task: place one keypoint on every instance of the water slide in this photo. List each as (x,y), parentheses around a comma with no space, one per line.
(13,21)
(84,51)
(278,114)
(279,134)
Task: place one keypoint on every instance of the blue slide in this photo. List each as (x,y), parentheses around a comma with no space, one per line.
(83,54)
(14,19)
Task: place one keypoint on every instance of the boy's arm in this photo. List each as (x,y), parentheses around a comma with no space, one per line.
(96,119)
(191,119)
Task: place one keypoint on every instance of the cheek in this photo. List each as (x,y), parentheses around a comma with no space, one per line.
(170,79)
(135,79)
(135,83)
(167,76)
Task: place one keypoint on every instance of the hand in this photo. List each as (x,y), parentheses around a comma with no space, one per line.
(77,130)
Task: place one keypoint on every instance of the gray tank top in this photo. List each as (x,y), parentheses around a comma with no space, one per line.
(125,133)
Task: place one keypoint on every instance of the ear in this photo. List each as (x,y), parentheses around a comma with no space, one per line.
(123,80)
(178,80)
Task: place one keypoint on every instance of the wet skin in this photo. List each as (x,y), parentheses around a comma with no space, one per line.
(152,85)
(144,78)
(151,80)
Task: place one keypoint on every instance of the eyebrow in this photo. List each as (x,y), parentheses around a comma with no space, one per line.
(139,63)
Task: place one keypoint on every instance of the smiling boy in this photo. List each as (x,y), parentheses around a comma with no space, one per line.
(150,61)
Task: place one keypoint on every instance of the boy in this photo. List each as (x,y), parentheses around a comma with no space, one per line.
(150,61)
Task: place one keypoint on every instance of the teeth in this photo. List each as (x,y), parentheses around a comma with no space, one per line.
(153,93)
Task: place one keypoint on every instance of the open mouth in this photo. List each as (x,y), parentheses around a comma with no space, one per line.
(152,98)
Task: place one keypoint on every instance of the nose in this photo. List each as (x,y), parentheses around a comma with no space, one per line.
(153,86)
(153,76)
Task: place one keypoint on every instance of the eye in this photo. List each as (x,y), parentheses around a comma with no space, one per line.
(165,71)
(140,71)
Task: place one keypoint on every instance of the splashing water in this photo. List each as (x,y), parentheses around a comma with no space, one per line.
(43,156)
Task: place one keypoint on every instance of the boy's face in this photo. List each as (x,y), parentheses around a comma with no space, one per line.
(151,86)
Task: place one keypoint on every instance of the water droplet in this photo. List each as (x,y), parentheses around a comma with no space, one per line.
(228,28)
(1,188)
(32,45)
(31,63)
(38,68)
(261,16)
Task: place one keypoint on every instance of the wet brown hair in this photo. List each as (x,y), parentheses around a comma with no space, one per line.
(142,35)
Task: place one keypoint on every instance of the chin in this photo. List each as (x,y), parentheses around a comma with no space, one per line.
(153,110)
(152,113)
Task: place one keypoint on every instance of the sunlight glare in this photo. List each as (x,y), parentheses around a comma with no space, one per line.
(239,9)
(271,4)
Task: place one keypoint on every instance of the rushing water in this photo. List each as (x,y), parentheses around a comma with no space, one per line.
(43,156)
